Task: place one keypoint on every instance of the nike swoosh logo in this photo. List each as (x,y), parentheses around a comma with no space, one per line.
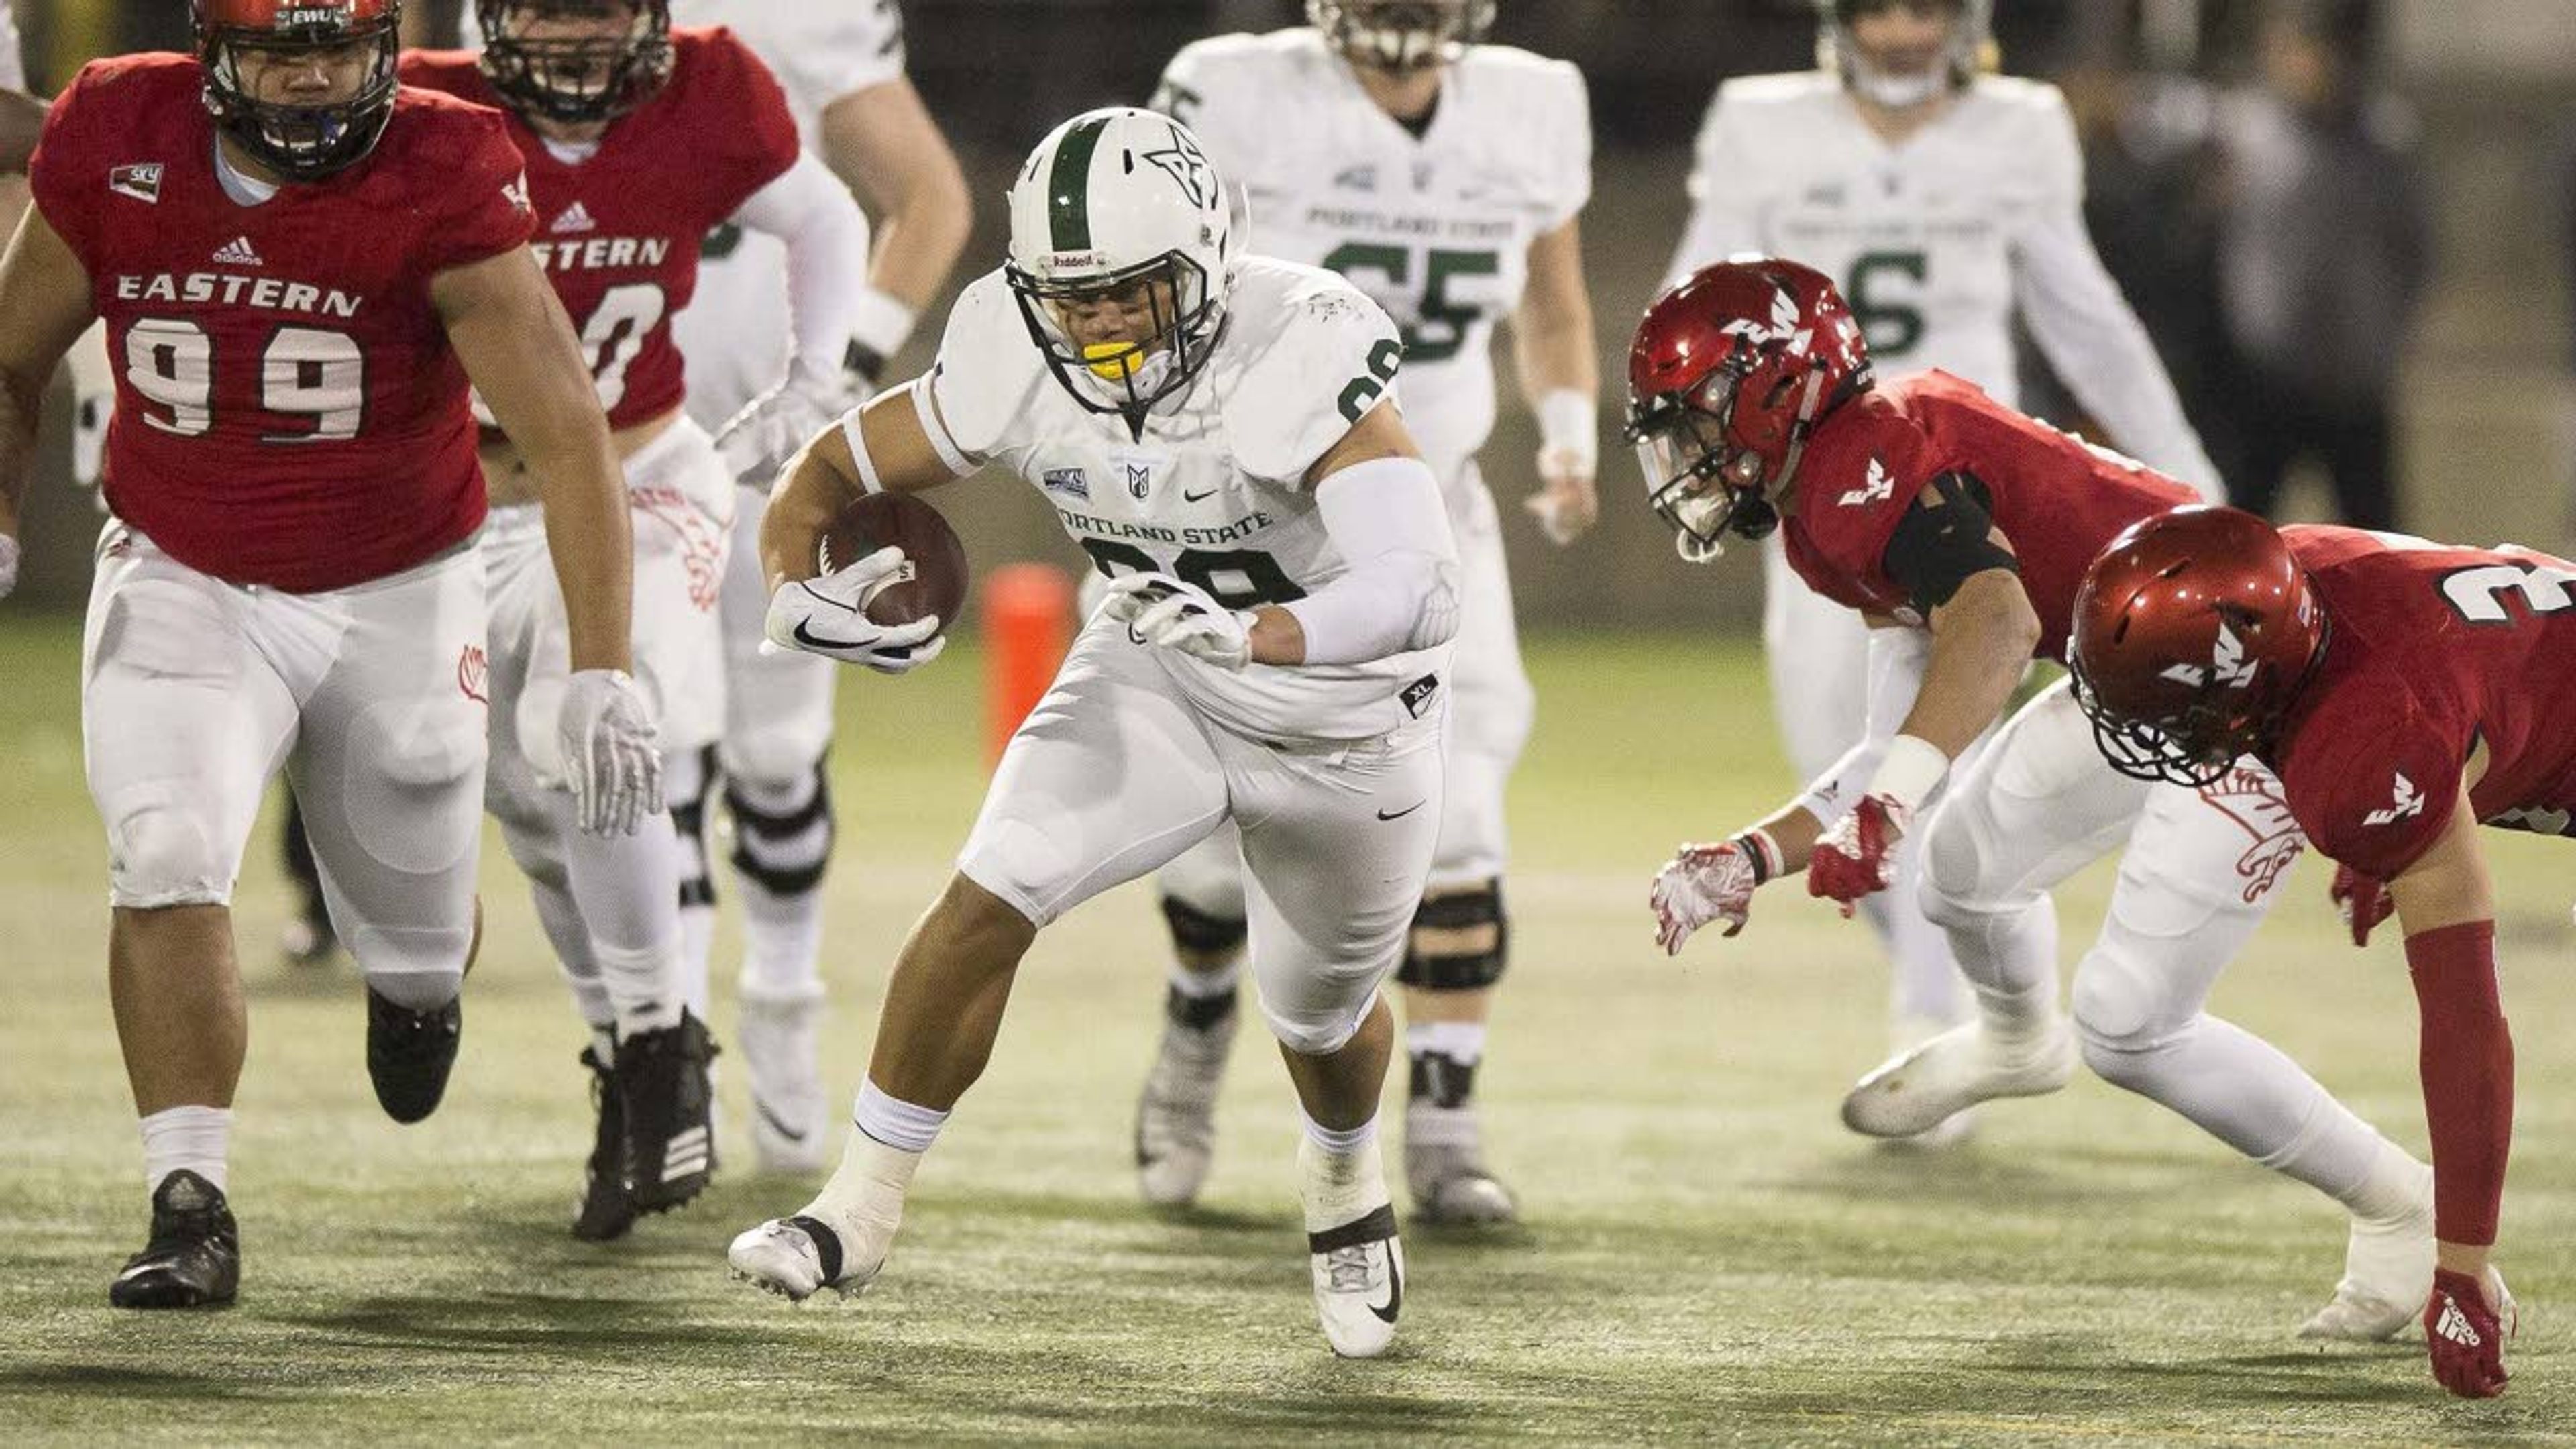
(1394,1291)
(1400,814)
(775,1124)
(812,640)
(1198,497)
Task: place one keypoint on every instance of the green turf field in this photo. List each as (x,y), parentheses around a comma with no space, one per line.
(1708,1257)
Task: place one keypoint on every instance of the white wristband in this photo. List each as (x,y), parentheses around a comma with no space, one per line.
(1910,771)
(1570,422)
(881,321)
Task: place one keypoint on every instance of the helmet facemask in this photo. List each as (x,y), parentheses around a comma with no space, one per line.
(1400,35)
(1168,316)
(541,59)
(308,140)
(1838,49)
(1701,478)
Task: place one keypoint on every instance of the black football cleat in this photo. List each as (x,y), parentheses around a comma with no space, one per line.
(661,1079)
(194,1258)
(410,1053)
(605,1215)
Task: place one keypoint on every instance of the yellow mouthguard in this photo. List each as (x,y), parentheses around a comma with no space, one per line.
(1113,361)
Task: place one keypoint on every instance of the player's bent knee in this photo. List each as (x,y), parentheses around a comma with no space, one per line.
(1202,938)
(1310,1036)
(2123,1007)
(783,833)
(1460,940)
(160,856)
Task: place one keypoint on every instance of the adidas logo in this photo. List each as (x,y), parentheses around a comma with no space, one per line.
(576,217)
(2454,1325)
(239,252)
(685,1154)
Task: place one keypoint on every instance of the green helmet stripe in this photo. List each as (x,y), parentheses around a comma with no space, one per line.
(1069,187)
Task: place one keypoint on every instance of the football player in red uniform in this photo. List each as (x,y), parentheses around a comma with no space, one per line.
(299,266)
(2406,692)
(1961,528)
(640,139)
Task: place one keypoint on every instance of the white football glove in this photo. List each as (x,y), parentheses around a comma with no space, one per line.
(1171,613)
(1700,884)
(758,440)
(611,757)
(8,564)
(827,616)
(1566,507)
(93,405)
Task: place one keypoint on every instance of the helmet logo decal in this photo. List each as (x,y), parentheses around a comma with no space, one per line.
(2227,665)
(2408,802)
(1877,487)
(1188,167)
(1783,326)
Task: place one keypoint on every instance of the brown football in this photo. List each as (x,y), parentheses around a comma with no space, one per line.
(934,576)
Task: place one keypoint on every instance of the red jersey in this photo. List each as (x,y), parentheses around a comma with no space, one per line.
(288,410)
(619,228)
(2057,498)
(2430,651)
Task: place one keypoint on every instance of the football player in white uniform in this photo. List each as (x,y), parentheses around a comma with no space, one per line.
(1946,201)
(1443,177)
(842,65)
(1216,432)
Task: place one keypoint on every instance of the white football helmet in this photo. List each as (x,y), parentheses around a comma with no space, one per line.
(1400,34)
(1112,202)
(1971,36)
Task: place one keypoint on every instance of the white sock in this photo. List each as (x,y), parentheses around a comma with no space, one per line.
(1339,1141)
(899,1125)
(2010,961)
(782,943)
(1462,1042)
(1339,1187)
(193,1139)
(1200,985)
(627,888)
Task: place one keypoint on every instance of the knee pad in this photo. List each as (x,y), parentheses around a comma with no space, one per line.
(2125,1007)
(1197,933)
(1459,940)
(160,854)
(783,850)
(689,822)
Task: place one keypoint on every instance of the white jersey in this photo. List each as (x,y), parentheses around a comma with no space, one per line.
(1437,229)
(1214,490)
(1937,241)
(13,65)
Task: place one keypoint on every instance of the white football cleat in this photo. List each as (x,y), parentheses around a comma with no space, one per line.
(790,1117)
(1904,1035)
(2387,1273)
(1359,1283)
(1176,1115)
(1919,1090)
(798,1257)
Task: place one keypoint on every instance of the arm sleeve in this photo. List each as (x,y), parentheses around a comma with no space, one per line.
(1720,224)
(487,212)
(2465,1057)
(1897,658)
(2096,344)
(827,258)
(1398,590)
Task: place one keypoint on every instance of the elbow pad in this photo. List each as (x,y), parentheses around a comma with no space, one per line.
(1935,550)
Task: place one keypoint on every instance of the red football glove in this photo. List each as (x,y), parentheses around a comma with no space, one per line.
(2361,900)
(1852,860)
(2465,1336)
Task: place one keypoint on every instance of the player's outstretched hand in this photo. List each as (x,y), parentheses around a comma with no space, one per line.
(612,756)
(2361,900)
(828,616)
(758,440)
(2465,1333)
(1853,860)
(1172,613)
(8,565)
(1567,506)
(1704,883)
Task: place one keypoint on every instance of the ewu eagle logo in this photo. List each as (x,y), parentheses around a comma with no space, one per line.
(2227,664)
(1876,487)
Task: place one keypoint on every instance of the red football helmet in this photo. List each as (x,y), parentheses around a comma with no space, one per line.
(2194,632)
(538,56)
(299,140)
(1731,370)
